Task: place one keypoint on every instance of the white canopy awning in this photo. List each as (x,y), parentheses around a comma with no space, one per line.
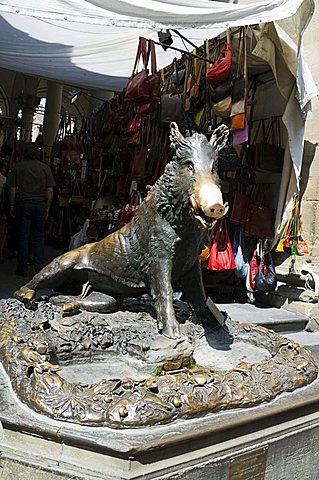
(93,42)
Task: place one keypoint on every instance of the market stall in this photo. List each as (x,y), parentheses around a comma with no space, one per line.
(123,147)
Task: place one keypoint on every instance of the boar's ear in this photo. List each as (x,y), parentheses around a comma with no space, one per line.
(219,137)
(175,136)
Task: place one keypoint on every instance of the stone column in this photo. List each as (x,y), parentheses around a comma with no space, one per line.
(28,101)
(51,116)
(27,118)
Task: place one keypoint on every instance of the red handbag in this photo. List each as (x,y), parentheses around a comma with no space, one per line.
(253,270)
(221,69)
(133,125)
(129,210)
(138,87)
(143,88)
(221,254)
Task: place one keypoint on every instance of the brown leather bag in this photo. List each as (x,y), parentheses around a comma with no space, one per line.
(239,208)
(138,165)
(171,109)
(155,77)
(269,156)
(260,222)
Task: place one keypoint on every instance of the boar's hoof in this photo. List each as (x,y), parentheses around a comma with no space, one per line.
(171,330)
(25,294)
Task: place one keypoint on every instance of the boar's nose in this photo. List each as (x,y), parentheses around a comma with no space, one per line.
(211,202)
(216,211)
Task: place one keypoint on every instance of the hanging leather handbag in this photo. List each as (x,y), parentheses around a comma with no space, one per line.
(128,211)
(260,223)
(221,91)
(245,175)
(239,208)
(171,109)
(178,77)
(228,160)
(241,270)
(241,135)
(239,84)
(138,87)
(133,125)
(266,280)
(238,90)
(221,254)
(269,155)
(221,69)
(138,165)
(253,270)
(77,194)
(237,108)
(222,109)
(195,90)
(238,121)
(155,77)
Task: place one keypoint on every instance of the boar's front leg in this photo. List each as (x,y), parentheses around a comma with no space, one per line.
(162,292)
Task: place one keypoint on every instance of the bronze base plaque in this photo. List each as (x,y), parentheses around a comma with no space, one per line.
(249,466)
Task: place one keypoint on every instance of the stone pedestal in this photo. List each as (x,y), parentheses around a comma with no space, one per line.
(272,441)
(241,404)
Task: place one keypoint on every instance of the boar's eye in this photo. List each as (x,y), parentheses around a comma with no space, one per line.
(190,166)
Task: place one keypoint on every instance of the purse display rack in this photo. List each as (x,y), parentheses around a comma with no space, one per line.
(126,139)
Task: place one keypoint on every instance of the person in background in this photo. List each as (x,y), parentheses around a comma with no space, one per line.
(3,219)
(30,185)
(3,178)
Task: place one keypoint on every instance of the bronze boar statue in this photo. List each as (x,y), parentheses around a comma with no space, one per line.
(162,242)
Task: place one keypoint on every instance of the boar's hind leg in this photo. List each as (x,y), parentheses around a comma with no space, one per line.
(52,275)
(192,283)
(162,291)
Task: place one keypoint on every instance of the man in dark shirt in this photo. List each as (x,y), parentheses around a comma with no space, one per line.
(30,194)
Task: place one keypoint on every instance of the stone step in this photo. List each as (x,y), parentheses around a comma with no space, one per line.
(288,299)
(299,294)
(277,319)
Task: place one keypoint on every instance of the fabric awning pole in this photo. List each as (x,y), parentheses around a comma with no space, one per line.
(181,51)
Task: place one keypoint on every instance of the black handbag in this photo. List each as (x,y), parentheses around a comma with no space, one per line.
(221,91)
(178,77)
(228,160)
(266,280)
(245,175)
(238,89)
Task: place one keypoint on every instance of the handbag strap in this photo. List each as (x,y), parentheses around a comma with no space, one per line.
(177,76)
(226,48)
(151,53)
(77,190)
(240,62)
(141,52)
